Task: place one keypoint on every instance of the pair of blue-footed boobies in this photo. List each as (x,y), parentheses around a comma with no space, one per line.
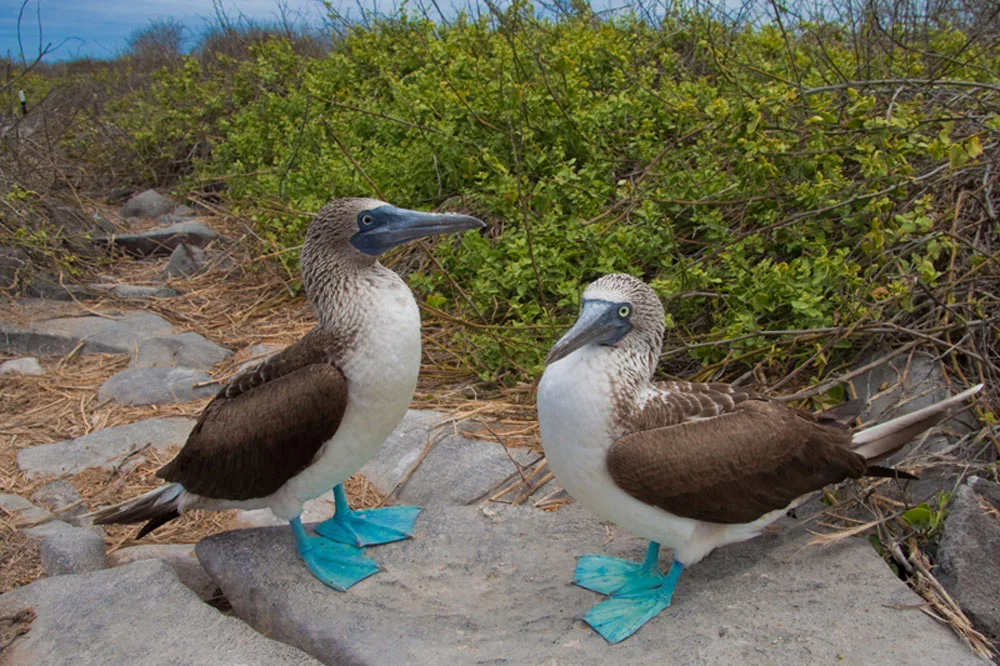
(690,466)
(312,415)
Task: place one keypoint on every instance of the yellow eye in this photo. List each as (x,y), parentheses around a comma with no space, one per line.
(624,311)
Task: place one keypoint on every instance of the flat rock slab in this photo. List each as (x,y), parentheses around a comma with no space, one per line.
(457,470)
(157,386)
(103,448)
(98,335)
(163,240)
(137,615)
(137,292)
(491,585)
(187,350)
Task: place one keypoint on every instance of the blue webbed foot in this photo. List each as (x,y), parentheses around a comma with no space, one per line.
(368,527)
(336,565)
(619,616)
(638,592)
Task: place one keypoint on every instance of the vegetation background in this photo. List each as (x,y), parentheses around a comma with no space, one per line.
(800,182)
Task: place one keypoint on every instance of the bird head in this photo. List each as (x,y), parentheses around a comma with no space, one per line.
(616,310)
(360,227)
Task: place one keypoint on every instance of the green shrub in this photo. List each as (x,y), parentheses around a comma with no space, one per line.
(731,165)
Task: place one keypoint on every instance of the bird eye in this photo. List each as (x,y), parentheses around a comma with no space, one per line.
(624,311)
(366,219)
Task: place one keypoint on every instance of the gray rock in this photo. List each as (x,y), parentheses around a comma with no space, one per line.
(22,511)
(187,350)
(969,552)
(61,498)
(22,366)
(71,550)
(162,240)
(147,204)
(99,335)
(136,292)
(456,471)
(138,615)
(491,584)
(181,559)
(184,210)
(185,261)
(104,448)
(156,386)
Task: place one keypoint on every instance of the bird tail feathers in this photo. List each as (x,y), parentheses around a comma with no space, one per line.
(884,439)
(157,507)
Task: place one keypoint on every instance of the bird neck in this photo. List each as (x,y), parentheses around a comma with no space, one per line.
(632,372)
(342,290)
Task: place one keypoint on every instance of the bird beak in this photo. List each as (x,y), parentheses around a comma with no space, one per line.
(598,323)
(396,226)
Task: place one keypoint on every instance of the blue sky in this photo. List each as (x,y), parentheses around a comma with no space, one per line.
(100,28)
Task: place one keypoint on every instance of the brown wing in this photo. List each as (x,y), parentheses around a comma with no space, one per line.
(264,427)
(751,458)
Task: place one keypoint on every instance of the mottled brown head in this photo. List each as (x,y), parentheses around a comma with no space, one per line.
(616,310)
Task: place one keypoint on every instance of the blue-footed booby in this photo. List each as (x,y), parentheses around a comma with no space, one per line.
(310,416)
(690,466)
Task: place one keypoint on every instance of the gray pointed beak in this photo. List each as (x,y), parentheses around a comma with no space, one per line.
(598,323)
(394,226)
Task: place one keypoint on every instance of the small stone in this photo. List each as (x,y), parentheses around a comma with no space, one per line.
(456,471)
(969,552)
(98,335)
(104,448)
(185,261)
(24,513)
(162,240)
(22,366)
(187,350)
(71,550)
(147,204)
(184,210)
(139,615)
(61,498)
(157,386)
(181,559)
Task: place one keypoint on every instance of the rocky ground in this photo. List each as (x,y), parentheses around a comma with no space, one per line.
(102,380)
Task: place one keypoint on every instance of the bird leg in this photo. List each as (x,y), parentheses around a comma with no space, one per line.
(367,527)
(637,592)
(336,565)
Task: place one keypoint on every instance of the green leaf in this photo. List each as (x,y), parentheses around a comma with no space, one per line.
(919,515)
